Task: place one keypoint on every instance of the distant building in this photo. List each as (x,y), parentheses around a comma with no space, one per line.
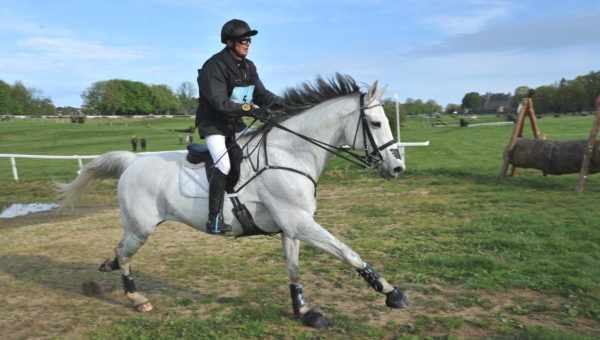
(494,103)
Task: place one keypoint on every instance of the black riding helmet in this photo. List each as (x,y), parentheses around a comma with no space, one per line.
(234,29)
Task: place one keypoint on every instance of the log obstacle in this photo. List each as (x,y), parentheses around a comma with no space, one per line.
(551,157)
(554,157)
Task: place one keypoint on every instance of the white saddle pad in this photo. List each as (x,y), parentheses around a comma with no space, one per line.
(193,181)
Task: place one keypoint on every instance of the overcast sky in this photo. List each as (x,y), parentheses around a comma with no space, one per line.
(425,49)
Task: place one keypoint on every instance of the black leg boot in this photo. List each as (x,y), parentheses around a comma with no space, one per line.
(216,195)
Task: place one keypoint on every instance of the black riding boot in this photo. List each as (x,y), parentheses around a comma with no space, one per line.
(216,195)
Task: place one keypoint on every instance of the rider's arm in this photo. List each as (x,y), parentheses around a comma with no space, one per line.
(214,91)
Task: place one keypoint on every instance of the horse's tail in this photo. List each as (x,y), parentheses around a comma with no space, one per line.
(109,165)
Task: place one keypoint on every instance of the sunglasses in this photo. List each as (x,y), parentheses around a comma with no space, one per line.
(244,41)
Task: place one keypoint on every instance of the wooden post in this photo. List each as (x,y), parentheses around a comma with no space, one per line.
(526,110)
(589,150)
(13,164)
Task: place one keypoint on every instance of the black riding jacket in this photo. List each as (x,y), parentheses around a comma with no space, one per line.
(220,109)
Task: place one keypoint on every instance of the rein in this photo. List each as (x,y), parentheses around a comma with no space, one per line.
(368,160)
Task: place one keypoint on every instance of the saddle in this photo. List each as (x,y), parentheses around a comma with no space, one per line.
(199,153)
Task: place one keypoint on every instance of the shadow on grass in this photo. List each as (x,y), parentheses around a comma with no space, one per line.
(70,276)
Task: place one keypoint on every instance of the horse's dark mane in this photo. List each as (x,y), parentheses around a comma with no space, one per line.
(308,95)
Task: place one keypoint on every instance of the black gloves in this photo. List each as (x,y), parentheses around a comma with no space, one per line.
(260,113)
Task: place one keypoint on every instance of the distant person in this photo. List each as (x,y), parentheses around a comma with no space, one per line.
(191,139)
(180,139)
(187,139)
(229,85)
(143,143)
(134,143)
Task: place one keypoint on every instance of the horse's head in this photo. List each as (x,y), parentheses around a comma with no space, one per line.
(371,133)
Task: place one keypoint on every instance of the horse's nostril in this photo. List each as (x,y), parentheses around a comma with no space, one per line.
(398,169)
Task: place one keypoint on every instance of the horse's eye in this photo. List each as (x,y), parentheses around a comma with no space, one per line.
(376,125)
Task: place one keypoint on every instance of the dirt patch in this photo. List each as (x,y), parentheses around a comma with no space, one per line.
(419,192)
(43,276)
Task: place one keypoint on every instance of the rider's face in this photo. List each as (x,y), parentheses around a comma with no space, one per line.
(242,45)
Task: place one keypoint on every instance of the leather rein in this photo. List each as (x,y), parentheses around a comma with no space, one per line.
(366,160)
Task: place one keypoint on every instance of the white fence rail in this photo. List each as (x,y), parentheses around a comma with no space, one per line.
(13,157)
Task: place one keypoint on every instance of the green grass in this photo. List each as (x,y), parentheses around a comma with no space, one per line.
(446,222)
(96,136)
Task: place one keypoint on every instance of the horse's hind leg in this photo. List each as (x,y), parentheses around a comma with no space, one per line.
(128,246)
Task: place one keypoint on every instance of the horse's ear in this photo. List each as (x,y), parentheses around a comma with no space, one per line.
(381,92)
(372,91)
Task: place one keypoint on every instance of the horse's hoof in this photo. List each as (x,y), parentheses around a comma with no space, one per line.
(105,267)
(315,319)
(144,307)
(109,266)
(396,299)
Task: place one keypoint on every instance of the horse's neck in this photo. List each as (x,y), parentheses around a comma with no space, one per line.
(325,123)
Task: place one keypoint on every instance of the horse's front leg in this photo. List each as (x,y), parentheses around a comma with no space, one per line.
(314,234)
(310,317)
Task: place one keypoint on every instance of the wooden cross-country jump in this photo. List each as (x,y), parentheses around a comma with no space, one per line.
(527,111)
(589,150)
(552,157)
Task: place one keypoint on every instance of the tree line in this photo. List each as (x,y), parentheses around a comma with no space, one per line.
(565,96)
(126,97)
(17,99)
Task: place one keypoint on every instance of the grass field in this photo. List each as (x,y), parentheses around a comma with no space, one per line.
(480,258)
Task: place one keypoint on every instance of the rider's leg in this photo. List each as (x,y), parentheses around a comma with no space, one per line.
(217,179)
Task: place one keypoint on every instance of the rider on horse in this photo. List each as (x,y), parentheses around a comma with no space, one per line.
(229,86)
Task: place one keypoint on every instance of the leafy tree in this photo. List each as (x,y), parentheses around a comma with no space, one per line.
(45,106)
(126,97)
(520,93)
(20,99)
(433,106)
(186,94)
(451,108)
(389,107)
(417,106)
(163,100)
(592,87)
(472,101)
(571,96)
(93,98)
(545,99)
(4,97)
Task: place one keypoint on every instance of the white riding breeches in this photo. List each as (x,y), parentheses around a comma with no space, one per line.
(218,152)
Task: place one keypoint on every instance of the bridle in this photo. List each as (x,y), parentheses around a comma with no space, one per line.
(367,160)
(375,158)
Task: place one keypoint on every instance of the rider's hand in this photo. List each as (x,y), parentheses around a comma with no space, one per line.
(260,113)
